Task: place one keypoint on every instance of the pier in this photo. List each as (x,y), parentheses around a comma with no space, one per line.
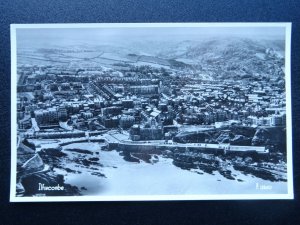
(205,147)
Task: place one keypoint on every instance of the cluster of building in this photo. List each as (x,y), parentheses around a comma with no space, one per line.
(149,104)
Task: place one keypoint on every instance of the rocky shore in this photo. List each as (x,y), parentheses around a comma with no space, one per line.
(271,168)
(34,170)
(54,166)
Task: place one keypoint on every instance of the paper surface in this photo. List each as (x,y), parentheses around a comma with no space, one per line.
(157,111)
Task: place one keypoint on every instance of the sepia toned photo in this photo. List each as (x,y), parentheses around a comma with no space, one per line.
(155,111)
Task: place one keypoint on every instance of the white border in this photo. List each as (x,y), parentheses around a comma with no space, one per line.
(13,198)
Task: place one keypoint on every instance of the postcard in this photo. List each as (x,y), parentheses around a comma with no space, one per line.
(150,111)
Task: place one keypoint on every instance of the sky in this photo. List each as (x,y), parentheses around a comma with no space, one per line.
(30,37)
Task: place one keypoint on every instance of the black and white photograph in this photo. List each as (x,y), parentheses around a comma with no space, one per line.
(150,111)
